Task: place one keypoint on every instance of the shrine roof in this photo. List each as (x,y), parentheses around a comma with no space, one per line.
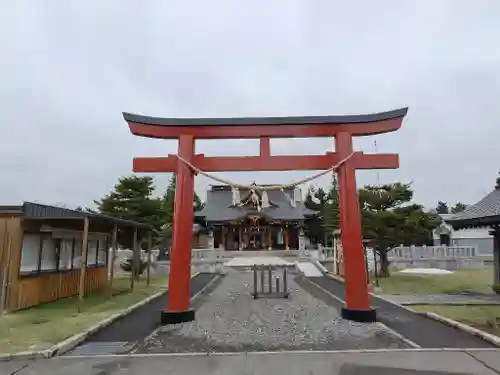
(219,206)
(263,121)
(484,213)
(31,210)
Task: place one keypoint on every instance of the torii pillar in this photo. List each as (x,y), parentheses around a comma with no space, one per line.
(343,128)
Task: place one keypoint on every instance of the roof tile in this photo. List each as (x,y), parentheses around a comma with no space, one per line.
(218,207)
(488,206)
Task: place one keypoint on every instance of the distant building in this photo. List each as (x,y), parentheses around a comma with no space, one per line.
(483,214)
(251,219)
(479,237)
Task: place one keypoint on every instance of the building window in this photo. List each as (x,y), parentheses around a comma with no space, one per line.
(65,254)
(42,253)
(77,258)
(30,253)
(102,251)
(92,252)
(48,259)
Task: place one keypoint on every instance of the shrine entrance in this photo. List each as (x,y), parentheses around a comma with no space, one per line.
(186,163)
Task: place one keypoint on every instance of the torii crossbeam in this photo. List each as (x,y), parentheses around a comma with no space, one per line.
(342,128)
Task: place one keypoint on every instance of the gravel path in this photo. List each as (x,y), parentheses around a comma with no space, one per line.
(231,321)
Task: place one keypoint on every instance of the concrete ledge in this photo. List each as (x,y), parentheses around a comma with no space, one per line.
(495,340)
(335,277)
(321,267)
(288,352)
(69,343)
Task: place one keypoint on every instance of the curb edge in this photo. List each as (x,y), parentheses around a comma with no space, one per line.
(72,341)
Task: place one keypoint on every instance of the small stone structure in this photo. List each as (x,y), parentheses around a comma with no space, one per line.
(263,273)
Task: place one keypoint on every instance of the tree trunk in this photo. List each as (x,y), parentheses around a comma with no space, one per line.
(384,263)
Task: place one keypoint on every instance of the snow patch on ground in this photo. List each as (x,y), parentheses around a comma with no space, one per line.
(426,271)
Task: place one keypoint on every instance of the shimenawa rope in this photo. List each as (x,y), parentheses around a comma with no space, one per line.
(267,187)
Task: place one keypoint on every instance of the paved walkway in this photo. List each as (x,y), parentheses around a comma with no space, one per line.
(421,330)
(445,299)
(313,363)
(121,335)
(259,260)
(230,320)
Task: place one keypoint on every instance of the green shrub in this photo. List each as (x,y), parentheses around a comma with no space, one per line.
(496,288)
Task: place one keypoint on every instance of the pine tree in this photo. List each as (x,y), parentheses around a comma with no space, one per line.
(459,207)
(168,201)
(132,199)
(389,219)
(442,208)
(331,211)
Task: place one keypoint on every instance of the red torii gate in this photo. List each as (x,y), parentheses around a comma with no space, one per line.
(343,128)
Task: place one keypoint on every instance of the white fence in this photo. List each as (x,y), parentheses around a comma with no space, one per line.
(435,252)
(402,257)
(207,256)
(443,257)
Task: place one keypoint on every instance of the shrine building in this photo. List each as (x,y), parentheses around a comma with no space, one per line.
(253,219)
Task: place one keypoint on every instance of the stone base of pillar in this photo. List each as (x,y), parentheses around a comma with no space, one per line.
(361,316)
(169,317)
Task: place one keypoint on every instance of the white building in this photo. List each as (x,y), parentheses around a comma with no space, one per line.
(444,234)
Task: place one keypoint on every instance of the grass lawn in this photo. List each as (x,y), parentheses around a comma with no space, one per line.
(464,280)
(485,318)
(42,326)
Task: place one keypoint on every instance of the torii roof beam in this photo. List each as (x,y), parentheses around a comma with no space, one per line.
(256,127)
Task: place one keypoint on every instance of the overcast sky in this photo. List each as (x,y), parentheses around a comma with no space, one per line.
(68,70)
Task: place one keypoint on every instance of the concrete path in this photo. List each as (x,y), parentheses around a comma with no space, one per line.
(250,261)
(121,335)
(445,299)
(309,269)
(230,320)
(290,363)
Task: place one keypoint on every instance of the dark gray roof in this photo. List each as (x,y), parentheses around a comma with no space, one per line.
(218,206)
(486,212)
(251,121)
(31,210)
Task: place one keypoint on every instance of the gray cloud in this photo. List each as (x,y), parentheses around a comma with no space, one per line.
(69,70)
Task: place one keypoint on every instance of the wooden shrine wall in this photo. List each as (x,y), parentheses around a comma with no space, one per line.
(20,292)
